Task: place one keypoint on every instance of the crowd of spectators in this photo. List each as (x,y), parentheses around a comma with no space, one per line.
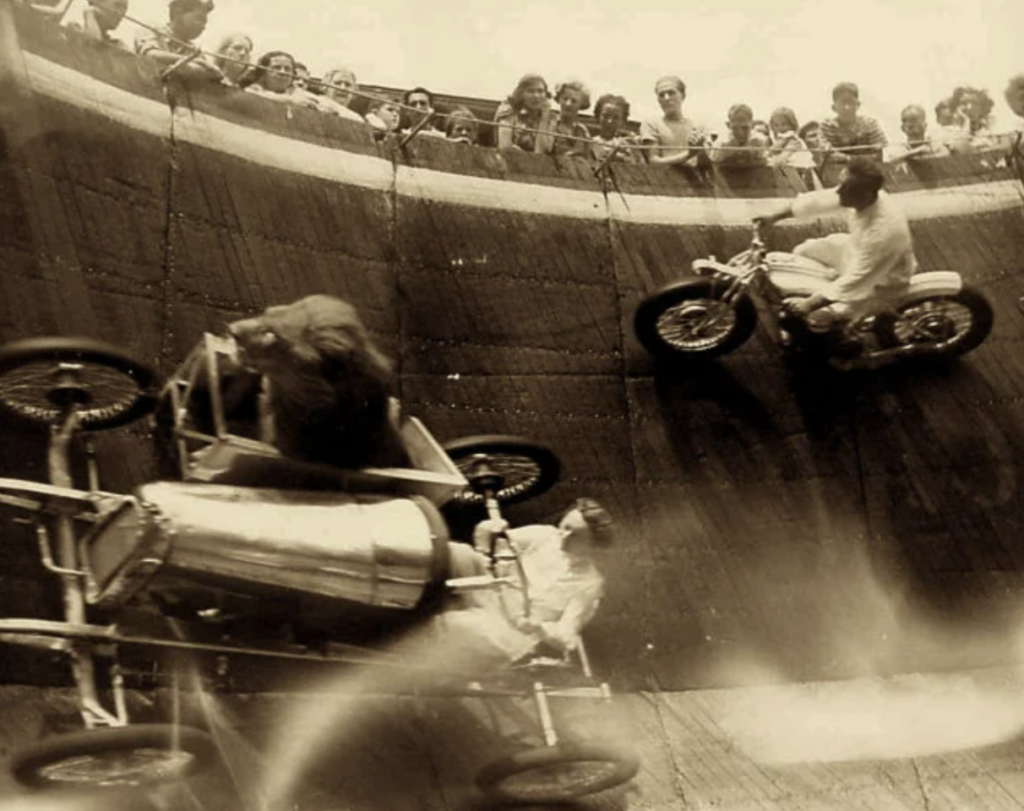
(533,119)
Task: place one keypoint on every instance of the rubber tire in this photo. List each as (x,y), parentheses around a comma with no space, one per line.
(645,320)
(25,763)
(489,779)
(546,459)
(981,322)
(64,348)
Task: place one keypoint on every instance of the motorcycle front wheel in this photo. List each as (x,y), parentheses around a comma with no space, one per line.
(944,325)
(690,320)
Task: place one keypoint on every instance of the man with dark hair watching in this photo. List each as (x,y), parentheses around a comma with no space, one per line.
(559,578)
(853,134)
(421,101)
(167,45)
(875,257)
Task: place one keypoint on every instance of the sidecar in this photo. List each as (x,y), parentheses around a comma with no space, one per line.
(245,554)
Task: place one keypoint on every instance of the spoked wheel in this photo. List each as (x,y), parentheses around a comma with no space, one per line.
(691,320)
(41,377)
(944,325)
(139,755)
(512,468)
(556,773)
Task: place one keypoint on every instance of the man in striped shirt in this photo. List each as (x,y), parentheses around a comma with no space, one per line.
(851,133)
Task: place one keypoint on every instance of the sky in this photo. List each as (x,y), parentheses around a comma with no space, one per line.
(766,54)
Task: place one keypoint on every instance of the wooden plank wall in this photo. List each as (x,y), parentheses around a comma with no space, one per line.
(774,526)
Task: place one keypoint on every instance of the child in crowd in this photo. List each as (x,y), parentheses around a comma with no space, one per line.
(613,142)
(571,97)
(787,148)
(462,126)
(384,115)
(743,147)
(854,134)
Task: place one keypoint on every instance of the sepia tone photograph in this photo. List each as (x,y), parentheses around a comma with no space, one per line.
(450,408)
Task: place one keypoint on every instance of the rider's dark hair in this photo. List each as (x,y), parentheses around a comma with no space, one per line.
(866,171)
(599,522)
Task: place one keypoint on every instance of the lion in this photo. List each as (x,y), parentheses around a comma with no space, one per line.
(326,386)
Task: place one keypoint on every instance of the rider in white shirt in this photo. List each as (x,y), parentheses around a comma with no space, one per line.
(876,256)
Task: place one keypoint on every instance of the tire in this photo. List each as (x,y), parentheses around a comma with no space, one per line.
(556,773)
(136,755)
(110,388)
(527,467)
(676,322)
(946,325)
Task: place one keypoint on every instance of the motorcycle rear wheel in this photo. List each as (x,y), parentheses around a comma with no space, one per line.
(947,326)
(690,320)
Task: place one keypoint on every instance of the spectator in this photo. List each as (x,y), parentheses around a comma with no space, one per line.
(848,131)
(787,148)
(1015,94)
(168,44)
(274,78)
(612,139)
(384,115)
(975,105)
(571,97)
(914,123)
(672,136)
(761,128)
(810,134)
(233,55)
(302,76)
(338,86)
(945,114)
(421,101)
(743,147)
(524,118)
(462,126)
(99,18)
(951,127)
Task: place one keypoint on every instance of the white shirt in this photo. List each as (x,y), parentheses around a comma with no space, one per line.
(879,252)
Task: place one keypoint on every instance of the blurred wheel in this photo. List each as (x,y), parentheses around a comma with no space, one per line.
(40,378)
(557,773)
(139,755)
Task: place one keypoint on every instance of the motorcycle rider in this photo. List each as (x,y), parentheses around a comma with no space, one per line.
(875,258)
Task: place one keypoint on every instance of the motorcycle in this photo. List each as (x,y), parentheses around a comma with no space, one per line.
(715,312)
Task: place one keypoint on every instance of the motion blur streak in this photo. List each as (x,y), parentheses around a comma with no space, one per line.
(875,719)
(880,716)
(302,734)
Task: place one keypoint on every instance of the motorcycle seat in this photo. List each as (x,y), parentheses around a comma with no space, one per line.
(800,264)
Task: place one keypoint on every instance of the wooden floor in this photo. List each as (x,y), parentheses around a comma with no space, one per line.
(913,743)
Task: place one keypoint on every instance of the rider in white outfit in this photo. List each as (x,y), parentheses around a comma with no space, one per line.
(876,257)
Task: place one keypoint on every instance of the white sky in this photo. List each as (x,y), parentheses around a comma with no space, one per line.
(766,54)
